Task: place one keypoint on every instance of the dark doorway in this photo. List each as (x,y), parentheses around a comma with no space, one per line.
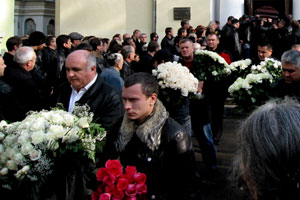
(283,7)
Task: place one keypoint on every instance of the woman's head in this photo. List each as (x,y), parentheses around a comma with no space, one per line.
(115,60)
(268,158)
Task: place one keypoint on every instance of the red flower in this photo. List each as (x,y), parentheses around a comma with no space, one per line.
(109,180)
(130,198)
(114,167)
(95,196)
(226,57)
(105,196)
(140,178)
(130,171)
(141,188)
(101,173)
(110,189)
(131,190)
(118,195)
(122,184)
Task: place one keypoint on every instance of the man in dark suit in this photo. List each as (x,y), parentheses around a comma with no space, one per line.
(25,88)
(89,88)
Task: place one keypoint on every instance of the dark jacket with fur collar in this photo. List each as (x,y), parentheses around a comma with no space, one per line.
(159,148)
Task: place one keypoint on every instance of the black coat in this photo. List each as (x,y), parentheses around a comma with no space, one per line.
(104,101)
(26,92)
(8,105)
(170,168)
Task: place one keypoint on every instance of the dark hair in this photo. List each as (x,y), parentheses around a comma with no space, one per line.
(95,42)
(268,155)
(168,30)
(127,41)
(183,22)
(264,43)
(153,35)
(105,40)
(148,82)
(163,55)
(114,46)
(49,39)
(152,46)
(61,40)
(180,31)
(12,41)
(84,46)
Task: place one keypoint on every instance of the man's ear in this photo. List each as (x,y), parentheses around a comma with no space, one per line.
(153,99)
(93,68)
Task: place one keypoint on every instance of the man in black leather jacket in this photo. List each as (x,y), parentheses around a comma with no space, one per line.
(152,141)
(89,88)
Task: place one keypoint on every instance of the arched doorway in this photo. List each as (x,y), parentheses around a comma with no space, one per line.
(51,27)
(30,26)
(283,7)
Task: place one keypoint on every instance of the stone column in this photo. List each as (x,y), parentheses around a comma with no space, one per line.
(230,8)
(296,9)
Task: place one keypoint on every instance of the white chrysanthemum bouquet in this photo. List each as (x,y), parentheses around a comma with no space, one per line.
(255,88)
(29,149)
(174,76)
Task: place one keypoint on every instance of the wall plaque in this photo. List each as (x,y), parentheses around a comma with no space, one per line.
(182,13)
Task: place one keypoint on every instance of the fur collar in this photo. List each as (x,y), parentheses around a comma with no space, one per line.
(149,132)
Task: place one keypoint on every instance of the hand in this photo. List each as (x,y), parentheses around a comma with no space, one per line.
(200,86)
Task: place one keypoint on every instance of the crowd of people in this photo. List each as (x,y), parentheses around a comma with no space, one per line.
(114,78)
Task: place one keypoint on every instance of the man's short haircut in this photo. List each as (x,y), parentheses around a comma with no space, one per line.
(127,41)
(153,46)
(126,51)
(296,46)
(23,55)
(105,40)
(163,55)
(230,18)
(135,31)
(183,22)
(168,30)
(143,34)
(291,57)
(49,39)
(185,40)
(95,42)
(12,41)
(265,43)
(213,34)
(148,82)
(180,31)
(61,40)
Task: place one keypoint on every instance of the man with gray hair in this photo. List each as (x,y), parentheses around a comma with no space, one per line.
(128,53)
(89,88)
(25,89)
(290,85)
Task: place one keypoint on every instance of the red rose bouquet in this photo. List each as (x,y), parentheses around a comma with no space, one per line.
(118,185)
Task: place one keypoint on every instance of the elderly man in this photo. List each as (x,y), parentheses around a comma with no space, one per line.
(128,53)
(290,85)
(152,141)
(89,88)
(25,87)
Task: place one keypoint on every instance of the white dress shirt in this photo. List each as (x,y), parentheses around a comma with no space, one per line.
(75,96)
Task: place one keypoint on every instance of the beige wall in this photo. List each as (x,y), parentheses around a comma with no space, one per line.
(104,18)
(6,22)
(200,14)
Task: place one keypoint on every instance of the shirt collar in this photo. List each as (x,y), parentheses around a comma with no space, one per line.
(87,86)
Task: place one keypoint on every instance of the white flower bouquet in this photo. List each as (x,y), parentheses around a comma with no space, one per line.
(209,65)
(256,87)
(30,148)
(240,67)
(173,77)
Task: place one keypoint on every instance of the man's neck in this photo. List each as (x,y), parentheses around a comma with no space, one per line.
(12,52)
(188,59)
(151,53)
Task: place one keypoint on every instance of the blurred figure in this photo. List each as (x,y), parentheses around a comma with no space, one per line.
(267,159)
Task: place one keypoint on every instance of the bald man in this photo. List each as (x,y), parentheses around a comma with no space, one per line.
(84,86)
